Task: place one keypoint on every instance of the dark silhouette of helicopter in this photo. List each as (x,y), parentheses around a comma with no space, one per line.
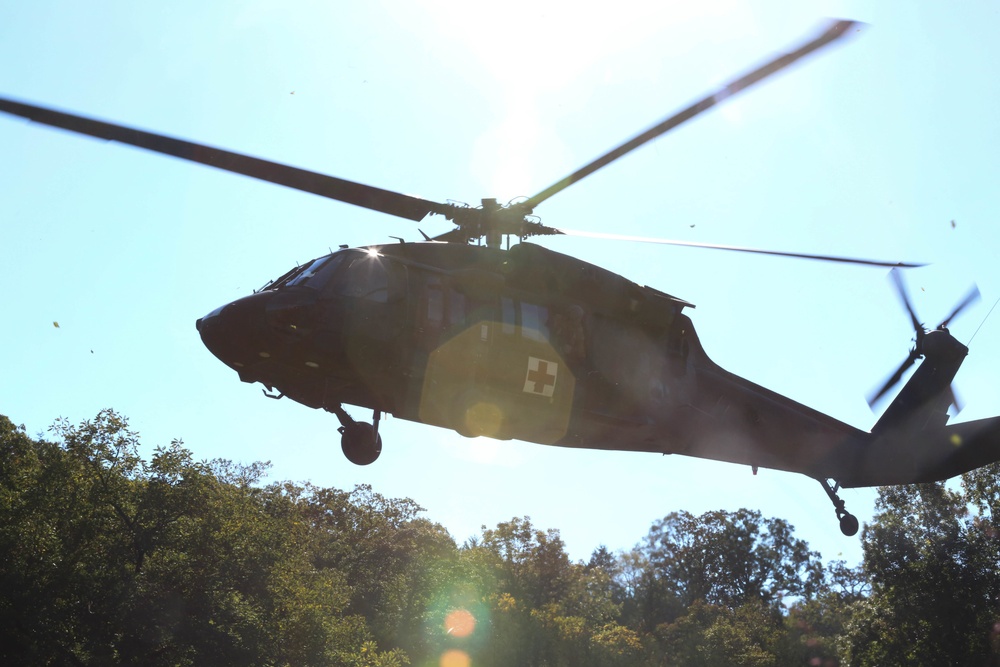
(530,344)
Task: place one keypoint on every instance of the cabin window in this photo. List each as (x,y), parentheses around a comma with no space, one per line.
(531,318)
(508,323)
(443,305)
(534,322)
(456,307)
(441,308)
(434,295)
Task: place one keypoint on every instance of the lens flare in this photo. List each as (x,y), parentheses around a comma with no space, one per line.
(483,419)
(455,658)
(500,391)
(459,623)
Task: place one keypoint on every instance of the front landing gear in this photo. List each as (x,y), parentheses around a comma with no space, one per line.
(848,522)
(359,441)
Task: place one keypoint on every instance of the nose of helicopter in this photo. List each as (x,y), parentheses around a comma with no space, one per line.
(236,333)
(270,338)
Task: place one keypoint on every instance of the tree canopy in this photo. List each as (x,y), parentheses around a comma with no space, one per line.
(108,558)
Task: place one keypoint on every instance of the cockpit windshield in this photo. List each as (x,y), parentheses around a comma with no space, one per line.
(317,272)
(314,271)
(364,276)
(347,273)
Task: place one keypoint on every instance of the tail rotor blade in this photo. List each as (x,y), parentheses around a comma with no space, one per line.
(917,351)
(893,379)
(955,400)
(897,279)
(970,298)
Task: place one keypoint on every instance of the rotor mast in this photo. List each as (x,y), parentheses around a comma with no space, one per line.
(494,237)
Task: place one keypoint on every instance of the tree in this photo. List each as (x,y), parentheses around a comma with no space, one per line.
(815,628)
(399,564)
(532,563)
(932,568)
(110,559)
(545,610)
(709,635)
(726,559)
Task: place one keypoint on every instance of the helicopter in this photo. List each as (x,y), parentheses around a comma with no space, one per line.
(465,332)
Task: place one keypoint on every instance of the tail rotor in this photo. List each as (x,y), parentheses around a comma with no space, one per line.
(921,332)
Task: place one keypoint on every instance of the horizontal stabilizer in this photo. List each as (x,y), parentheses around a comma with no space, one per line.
(927,455)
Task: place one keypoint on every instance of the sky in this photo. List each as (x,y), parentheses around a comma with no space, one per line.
(883,145)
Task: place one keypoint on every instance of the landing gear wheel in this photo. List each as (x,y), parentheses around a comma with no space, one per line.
(848,522)
(360,443)
(849,525)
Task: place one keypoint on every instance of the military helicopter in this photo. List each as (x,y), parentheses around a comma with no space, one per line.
(522,342)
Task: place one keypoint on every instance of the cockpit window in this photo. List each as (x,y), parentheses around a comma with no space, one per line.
(318,272)
(363,276)
(348,273)
(284,278)
(288,276)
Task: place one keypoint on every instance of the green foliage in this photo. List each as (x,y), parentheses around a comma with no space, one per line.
(933,572)
(397,562)
(712,588)
(716,635)
(725,559)
(107,558)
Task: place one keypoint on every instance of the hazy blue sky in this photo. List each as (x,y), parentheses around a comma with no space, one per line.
(884,145)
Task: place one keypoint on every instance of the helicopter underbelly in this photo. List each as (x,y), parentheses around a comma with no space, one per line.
(726,418)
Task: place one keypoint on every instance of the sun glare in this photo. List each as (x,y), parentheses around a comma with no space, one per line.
(537,48)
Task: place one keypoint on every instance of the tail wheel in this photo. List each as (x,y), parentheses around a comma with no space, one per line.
(848,522)
(849,525)
(360,444)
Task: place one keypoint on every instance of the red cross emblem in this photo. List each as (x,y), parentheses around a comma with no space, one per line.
(541,378)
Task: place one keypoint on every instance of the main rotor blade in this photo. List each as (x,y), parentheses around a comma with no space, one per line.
(969,299)
(366,196)
(691,244)
(834,31)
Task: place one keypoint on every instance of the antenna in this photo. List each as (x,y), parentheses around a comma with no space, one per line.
(984,320)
